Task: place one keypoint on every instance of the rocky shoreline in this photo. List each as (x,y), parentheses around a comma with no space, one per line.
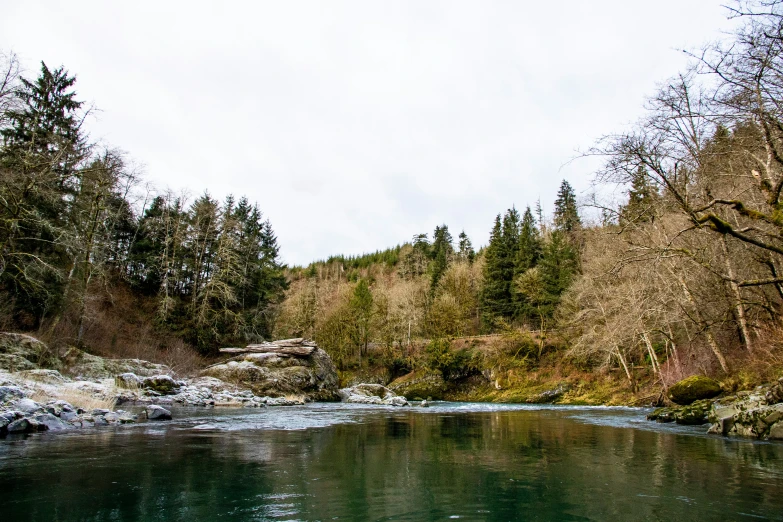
(44,391)
(756,414)
(79,390)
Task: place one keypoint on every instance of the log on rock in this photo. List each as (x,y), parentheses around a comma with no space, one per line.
(299,341)
(299,351)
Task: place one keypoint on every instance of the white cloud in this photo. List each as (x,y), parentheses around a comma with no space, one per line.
(356,124)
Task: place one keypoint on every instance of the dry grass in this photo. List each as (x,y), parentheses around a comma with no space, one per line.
(77,398)
(294,398)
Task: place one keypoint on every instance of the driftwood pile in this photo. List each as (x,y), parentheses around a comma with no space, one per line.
(298,347)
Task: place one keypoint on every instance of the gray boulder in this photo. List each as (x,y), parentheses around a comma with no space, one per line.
(26,405)
(7,418)
(50,422)
(127,380)
(69,416)
(162,384)
(10,393)
(757,414)
(22,425)
(371,394)
(288,367)
(155,412)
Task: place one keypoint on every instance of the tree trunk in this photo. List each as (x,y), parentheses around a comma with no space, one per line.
(707,332)
(738,306)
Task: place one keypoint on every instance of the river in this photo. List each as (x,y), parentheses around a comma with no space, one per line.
(347,462)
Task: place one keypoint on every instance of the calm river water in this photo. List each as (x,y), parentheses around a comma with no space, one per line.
(344,462)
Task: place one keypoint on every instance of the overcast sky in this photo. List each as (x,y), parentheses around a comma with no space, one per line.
(357,124)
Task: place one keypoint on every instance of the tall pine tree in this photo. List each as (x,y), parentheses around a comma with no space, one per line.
(566,216)
(441,254)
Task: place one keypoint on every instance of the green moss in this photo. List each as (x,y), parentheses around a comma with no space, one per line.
(694,388)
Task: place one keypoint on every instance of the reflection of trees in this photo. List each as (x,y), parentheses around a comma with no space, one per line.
(528,464)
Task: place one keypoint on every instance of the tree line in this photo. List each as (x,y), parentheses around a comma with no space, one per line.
(73,225)
(682,274)
(436,287)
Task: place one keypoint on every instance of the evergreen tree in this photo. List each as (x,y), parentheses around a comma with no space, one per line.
(47,124)
(529,249)
(416,261)
(42,148)
(641,198)
(566,216)
(441,253)
(510,234)
(361,310)
(145,270)
(268,283)
(528,254)
(558,267)
(466,252)
(500,258)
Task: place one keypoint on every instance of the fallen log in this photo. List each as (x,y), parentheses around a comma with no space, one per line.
(300,351)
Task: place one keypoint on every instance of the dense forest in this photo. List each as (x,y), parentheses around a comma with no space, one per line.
(683,274)
(77,229)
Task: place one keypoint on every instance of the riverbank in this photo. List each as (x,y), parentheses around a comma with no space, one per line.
(43,390)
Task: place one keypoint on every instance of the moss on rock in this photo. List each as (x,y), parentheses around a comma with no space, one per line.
(420,385)
(694,388)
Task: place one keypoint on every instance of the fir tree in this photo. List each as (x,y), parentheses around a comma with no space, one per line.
(47,123)
(510,234)
(361,310)
(42,150)
(441,253)
(528,255)
(558,267)
(641,198)
(566,216)
(529,249)
(500,256)
(466,252)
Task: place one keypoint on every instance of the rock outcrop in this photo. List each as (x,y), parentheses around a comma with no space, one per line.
(22,352)
(693,414)
(757,414)
(371,394)
(290,367)
(420,385)
(83,365)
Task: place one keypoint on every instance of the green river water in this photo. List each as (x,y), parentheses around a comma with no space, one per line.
(346,462)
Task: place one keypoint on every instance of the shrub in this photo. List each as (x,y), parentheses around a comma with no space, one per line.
(452,364)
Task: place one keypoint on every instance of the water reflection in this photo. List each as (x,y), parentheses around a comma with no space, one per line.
(475,462)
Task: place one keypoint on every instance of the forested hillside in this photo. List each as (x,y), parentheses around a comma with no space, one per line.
(78,233)
(434,288)
(683,275)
